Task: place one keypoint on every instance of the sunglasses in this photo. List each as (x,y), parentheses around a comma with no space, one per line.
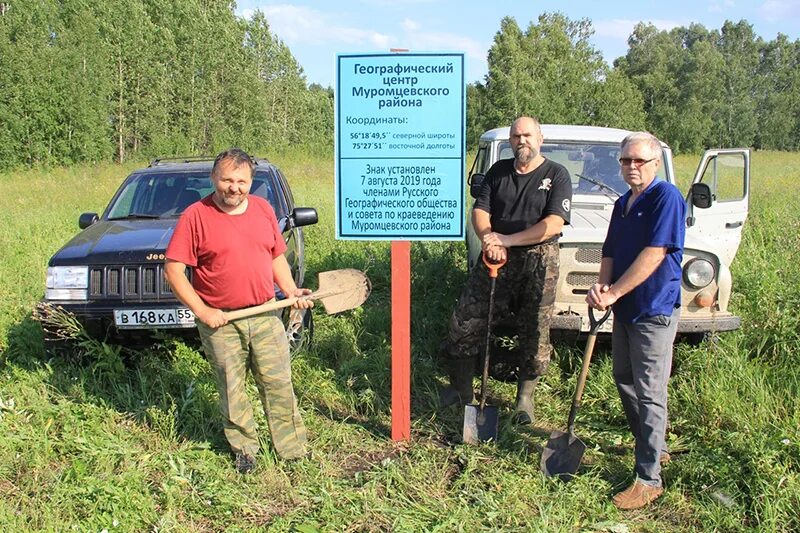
(624,161)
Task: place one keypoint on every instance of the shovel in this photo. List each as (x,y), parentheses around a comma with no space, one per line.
(339,290)
(562,455)
(480,421)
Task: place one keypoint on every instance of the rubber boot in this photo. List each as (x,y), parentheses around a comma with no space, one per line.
(460,388)
(524,409)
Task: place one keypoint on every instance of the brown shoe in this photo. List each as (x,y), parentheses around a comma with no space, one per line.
(636,496)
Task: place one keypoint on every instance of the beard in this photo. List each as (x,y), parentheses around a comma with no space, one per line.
(525,154)
(232,200)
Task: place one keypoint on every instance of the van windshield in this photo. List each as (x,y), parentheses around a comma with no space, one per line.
(593,167)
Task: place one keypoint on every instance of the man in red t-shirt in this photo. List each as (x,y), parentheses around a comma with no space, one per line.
(233,243)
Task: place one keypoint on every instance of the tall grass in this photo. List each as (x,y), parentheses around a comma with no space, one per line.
(93,445)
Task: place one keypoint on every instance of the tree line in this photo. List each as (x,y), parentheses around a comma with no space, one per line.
(692,87)
(89,80)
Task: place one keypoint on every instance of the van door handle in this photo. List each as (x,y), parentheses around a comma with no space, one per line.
(731,225)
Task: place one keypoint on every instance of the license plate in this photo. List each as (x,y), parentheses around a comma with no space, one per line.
(180,317)
(605,327)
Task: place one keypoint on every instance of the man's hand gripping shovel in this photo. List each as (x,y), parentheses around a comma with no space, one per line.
(339,290)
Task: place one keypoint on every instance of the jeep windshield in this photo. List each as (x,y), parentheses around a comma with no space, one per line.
(150,195)
(593,167)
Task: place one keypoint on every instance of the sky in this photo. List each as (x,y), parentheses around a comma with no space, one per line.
(315,31)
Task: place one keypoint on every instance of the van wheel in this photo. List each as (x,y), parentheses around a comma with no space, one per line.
(697,338)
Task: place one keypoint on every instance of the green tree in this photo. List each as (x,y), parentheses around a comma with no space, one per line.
(778,95)
(617,102)
(550,71)
(737,122)
(650,64)
(98,79)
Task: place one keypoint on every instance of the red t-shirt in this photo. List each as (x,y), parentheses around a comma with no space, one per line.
(231,254)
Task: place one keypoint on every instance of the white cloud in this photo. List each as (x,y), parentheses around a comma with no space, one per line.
(307,26)
(308,31)
(721,7)
(395,3)
(777,10)
(299,24)
(416,38)
(409,25)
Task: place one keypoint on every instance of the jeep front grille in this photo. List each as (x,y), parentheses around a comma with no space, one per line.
(130,282)
(113,278)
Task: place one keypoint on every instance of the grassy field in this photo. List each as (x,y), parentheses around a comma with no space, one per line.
(138,447)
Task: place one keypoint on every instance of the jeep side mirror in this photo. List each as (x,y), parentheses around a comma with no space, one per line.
(475,184)
(303,216)
(87,219)
(701,195)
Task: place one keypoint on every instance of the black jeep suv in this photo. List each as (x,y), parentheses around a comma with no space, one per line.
(110,276)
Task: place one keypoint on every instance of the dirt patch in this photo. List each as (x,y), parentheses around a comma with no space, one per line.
(356,463)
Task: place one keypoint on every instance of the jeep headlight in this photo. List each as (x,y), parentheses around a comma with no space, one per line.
(67,283)
(698,273)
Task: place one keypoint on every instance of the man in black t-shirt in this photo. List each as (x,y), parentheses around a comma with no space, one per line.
(523,205)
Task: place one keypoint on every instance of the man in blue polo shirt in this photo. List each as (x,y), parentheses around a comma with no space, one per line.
(640,275)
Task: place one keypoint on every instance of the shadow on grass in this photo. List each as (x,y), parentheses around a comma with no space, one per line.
(166,386)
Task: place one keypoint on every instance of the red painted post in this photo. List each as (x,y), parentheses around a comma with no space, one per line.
(401,340)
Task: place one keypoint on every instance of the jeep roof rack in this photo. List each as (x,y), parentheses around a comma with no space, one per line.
(195,159)
(181,159)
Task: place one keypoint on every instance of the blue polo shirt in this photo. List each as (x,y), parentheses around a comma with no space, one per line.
(656,218)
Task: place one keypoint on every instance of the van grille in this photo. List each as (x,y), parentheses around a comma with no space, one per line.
(589,255)
(582,280)
(130,282)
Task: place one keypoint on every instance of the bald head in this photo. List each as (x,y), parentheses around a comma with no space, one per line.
(526,123)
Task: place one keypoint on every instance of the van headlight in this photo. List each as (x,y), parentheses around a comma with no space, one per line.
(66,283)
(698,273)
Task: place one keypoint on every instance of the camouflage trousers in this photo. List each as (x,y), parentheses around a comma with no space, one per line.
(257,343)
(525,291)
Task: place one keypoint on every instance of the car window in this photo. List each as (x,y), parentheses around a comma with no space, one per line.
(589,164)
(481,159)
(168,194)
(280,202)
(725,174)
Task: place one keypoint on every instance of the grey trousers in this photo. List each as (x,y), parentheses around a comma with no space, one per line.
(642,360)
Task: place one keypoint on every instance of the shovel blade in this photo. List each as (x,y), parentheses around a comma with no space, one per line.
(342,290)
(480,425)
(562,455)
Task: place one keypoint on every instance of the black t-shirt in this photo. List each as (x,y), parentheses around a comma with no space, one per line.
(518,201)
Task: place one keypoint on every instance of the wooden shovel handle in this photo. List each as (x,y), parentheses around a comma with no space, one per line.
(587,359)
(259,309)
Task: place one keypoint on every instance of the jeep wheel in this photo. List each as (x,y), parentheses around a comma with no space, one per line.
(300,329)
(59,349)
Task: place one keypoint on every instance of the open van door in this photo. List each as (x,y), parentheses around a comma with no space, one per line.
(718,199)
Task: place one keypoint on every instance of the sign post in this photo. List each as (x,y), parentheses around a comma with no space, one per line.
(400,156)
(401,340)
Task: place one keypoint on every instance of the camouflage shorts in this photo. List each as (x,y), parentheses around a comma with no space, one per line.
(257,343)
(525,292)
